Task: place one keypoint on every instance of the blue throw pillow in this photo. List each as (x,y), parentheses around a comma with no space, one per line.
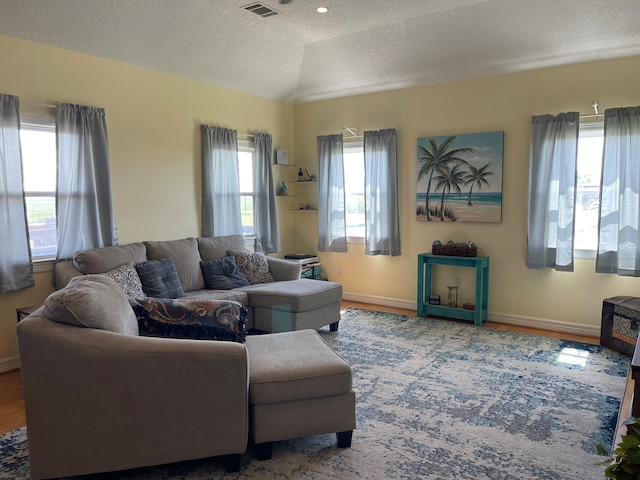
(160,278)
(195,318)
(223,274)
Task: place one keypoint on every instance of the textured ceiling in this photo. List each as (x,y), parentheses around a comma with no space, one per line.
(359,46)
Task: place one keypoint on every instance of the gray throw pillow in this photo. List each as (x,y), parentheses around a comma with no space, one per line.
(223,274)
(92,301)
(160,278)
(253,265)
(127,279)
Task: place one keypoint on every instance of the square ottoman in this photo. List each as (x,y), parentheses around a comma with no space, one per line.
(298,386)
(295,305)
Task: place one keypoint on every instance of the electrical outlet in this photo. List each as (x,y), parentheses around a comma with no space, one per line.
(340,271)
(457,282)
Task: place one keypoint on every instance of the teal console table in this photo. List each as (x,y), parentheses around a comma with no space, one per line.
(481,264)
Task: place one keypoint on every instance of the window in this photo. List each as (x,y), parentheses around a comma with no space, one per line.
(247,191)
(590,147)
(38,144)
(353,156)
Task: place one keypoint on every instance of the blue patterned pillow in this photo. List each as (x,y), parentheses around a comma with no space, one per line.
(195,318)
(160,278)
(223,274)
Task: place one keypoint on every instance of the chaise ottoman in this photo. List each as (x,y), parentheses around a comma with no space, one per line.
(298,386)
(295,305)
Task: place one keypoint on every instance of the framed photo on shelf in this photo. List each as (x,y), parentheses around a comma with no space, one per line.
(282,157)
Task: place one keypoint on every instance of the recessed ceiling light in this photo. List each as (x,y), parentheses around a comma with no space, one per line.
(322,9)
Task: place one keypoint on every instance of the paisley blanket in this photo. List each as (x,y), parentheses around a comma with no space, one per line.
(200,319)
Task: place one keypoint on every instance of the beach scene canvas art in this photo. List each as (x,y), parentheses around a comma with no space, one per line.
(460,178)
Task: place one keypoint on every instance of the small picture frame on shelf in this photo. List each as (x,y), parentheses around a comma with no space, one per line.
(282,157)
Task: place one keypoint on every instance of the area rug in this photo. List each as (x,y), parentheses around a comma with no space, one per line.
(437,399)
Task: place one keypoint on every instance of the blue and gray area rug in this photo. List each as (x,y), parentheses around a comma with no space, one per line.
(438,399)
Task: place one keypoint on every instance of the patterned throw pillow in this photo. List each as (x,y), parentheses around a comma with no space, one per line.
(223,274)
(253,265)
(160,278)
(199,319)
(127,279)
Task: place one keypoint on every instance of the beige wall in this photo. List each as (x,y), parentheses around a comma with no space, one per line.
(153,123)
(506,103)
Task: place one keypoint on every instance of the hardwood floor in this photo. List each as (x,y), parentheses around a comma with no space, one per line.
(11,402)
(12,413)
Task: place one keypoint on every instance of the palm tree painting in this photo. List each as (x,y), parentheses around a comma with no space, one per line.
(460,178)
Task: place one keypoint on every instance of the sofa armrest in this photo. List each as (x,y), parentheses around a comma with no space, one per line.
(63,271)
(283,269)
(102,401)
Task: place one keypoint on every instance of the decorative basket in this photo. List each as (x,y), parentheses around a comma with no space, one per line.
(455,249)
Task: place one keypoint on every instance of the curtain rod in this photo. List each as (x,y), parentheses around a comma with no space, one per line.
(592,115)
(41,105)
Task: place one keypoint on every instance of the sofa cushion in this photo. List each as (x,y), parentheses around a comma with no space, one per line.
(100,260)
(160,279)
(199,319)
(293,366)
(253,265)
(92,301)
(127,278)
(212,248)
(223,274)
(186,257)
(294,295)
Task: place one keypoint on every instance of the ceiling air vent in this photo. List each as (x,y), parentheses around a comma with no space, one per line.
(261,9)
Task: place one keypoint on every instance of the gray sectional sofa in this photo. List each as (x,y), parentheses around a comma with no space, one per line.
(101,396)
(288,303)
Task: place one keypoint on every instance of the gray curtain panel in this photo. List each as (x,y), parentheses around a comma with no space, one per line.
(16,270)
(332,223)
(618,237)
(265,208)
(83,196)
(220,182)
(552,192)
(381,193)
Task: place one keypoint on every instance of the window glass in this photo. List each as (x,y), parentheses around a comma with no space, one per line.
(590,146)
(38,144)
(353,155)
(247,193)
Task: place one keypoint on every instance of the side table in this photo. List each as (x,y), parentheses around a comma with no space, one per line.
(24,312)
(481,264)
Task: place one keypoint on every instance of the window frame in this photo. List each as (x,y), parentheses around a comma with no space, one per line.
(354,146)
(42,122)
(248,146)
(588,129)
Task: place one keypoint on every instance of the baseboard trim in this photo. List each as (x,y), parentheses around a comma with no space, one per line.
(518,320)
(7,364)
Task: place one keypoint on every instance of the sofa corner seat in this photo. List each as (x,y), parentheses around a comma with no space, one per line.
(100,401)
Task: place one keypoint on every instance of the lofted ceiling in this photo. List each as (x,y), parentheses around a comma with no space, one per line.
(358,46)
